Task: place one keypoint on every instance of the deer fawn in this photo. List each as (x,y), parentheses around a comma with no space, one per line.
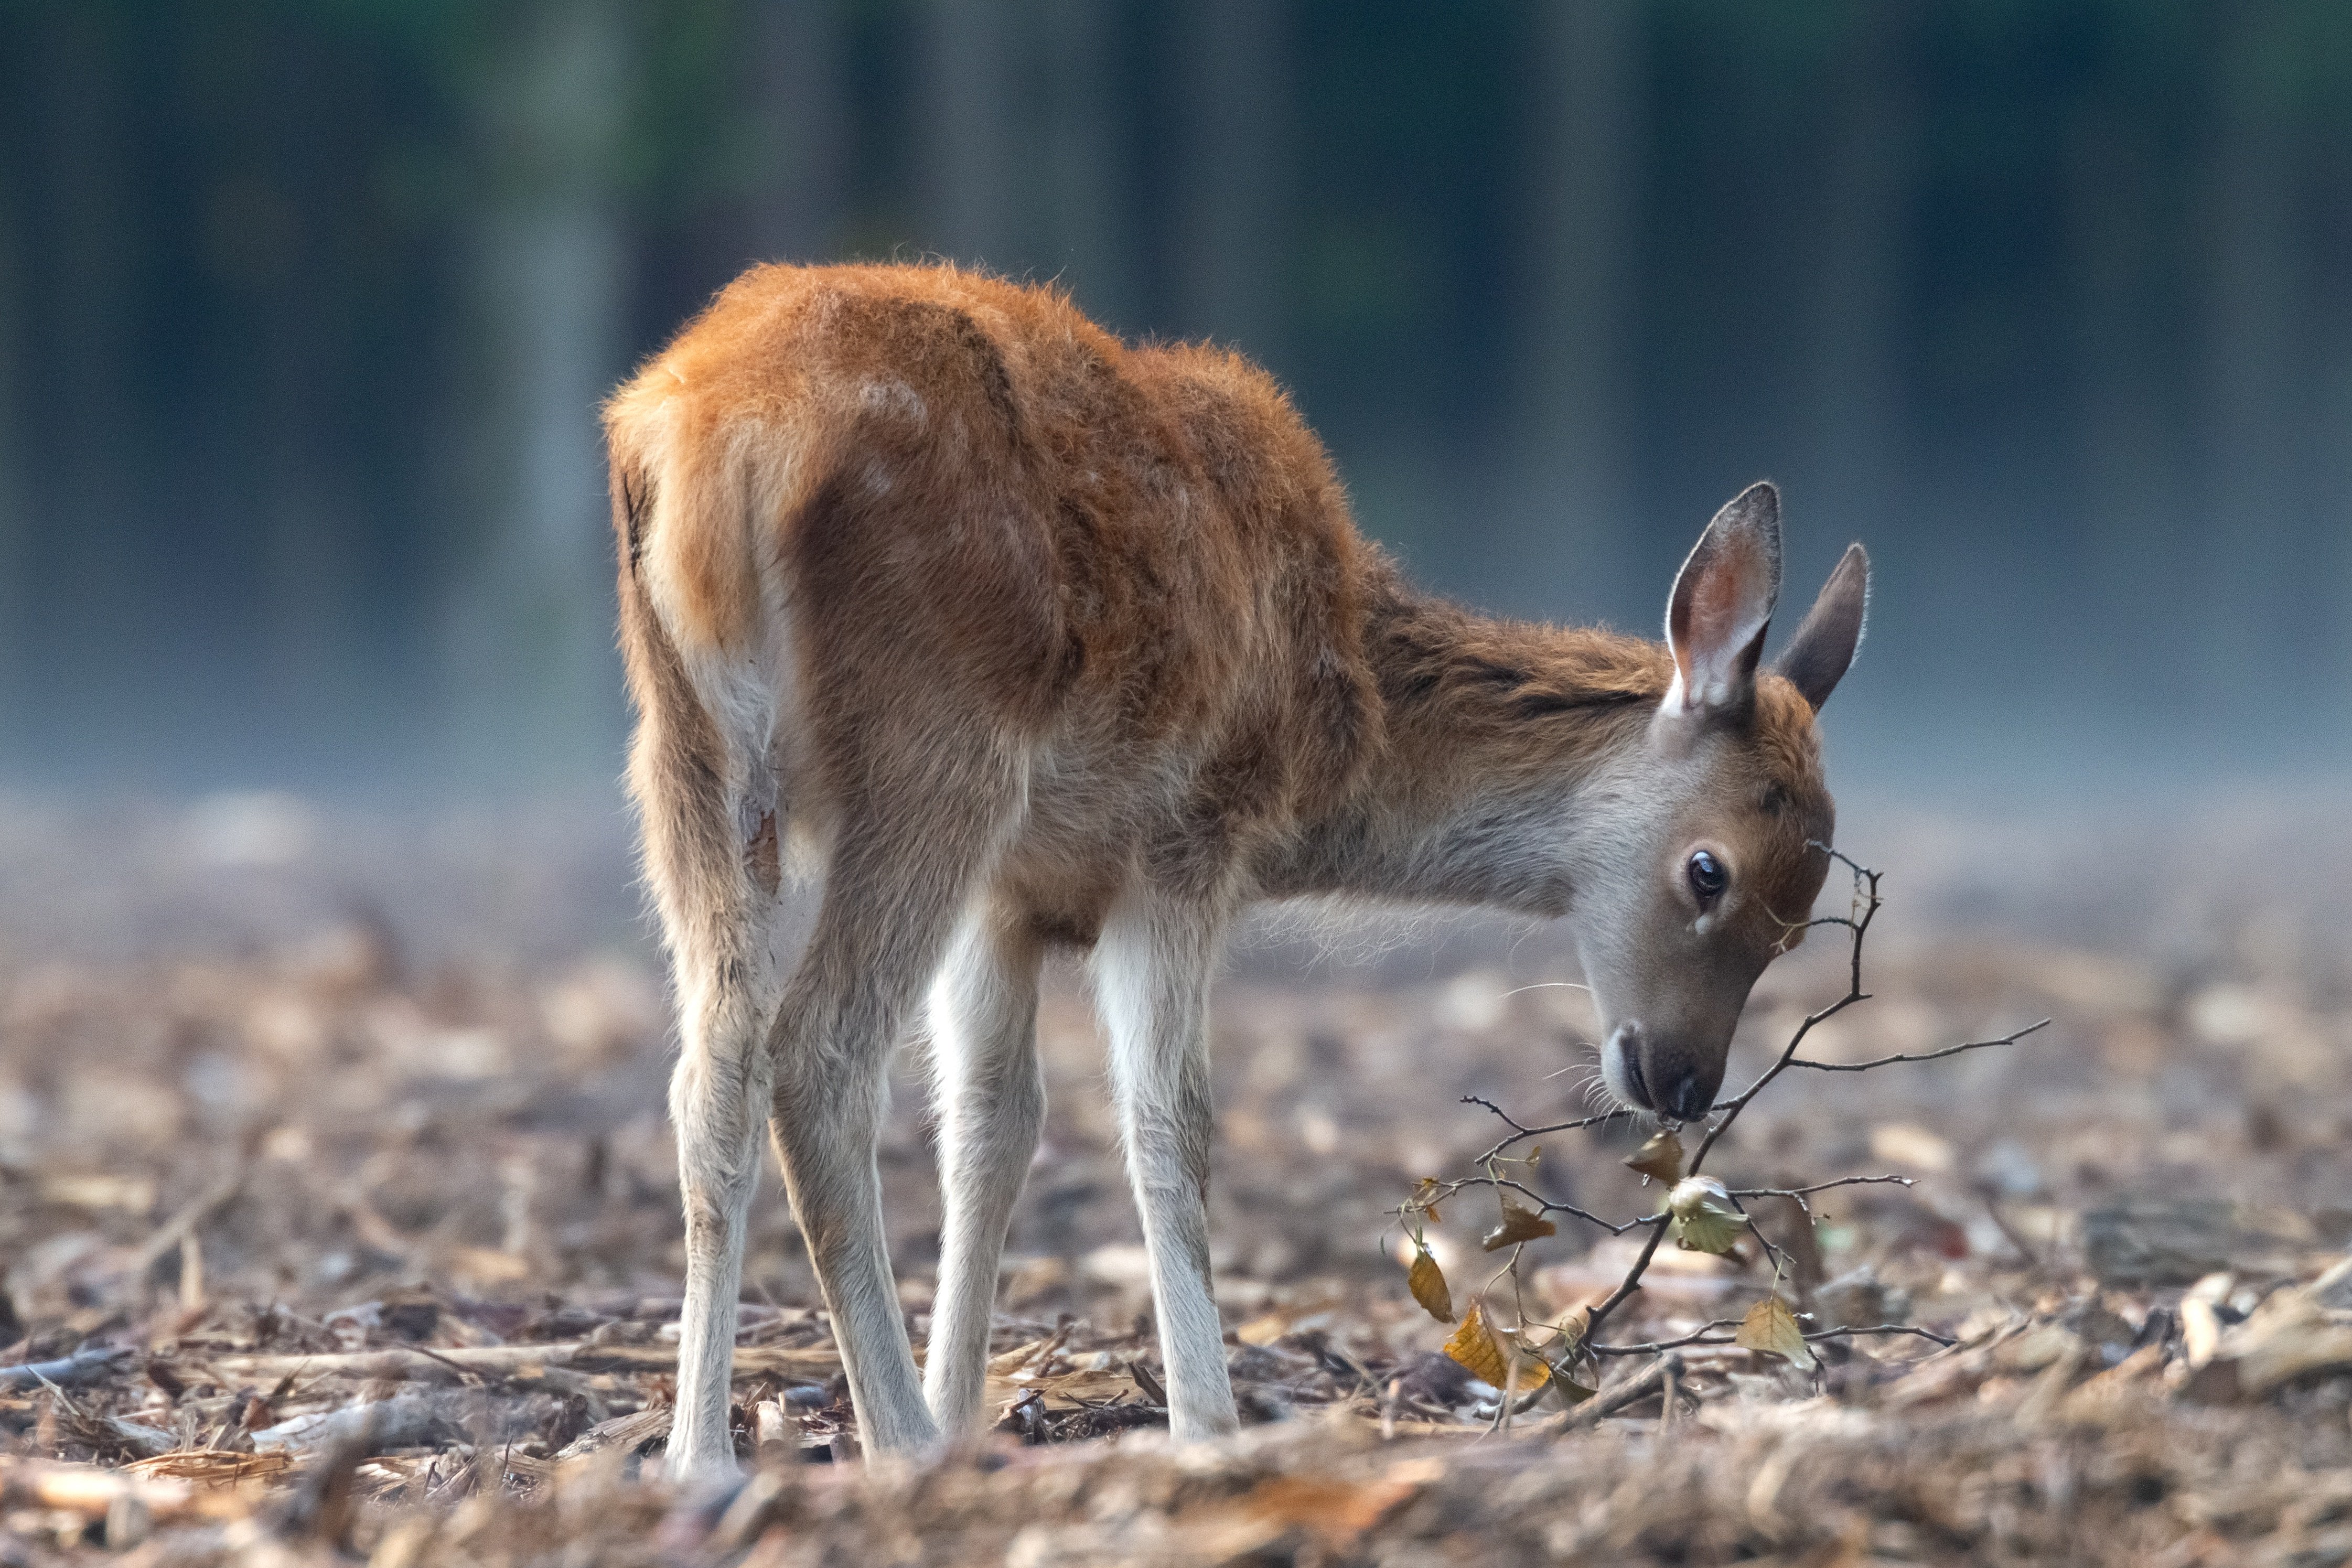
(1003,635)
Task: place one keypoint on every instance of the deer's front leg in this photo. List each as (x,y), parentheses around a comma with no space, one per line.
(1151,979)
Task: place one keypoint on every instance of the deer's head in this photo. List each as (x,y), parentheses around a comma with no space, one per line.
(1718,821)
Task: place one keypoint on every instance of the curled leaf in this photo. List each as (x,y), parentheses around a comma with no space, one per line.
(1473,1345)
(1487,1357)
(1661,1157)
(1706,1220)
(1427,1282)
(1772,1328)
(1519,1223)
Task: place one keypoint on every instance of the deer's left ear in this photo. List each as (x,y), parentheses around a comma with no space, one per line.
(1722,603)
(1817,657)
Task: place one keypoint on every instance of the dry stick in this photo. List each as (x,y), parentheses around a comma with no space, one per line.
(2009,1039)
(79,1367)
(1711,1335)
(185,1222)
(1610,1401)
(394,1364)
(1520,1134)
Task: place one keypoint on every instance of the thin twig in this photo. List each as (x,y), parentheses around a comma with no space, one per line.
(1821,1187)
(1863,911)
(2007,1039)
(79,1367)
(1520,1134)
(1712,1336)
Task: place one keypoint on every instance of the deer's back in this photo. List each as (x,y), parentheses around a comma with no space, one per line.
(1133,559)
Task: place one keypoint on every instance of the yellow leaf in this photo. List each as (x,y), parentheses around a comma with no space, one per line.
(1770,1327)
(1475,1345)
(1661,1157)
(1428,1283)
(1519,1223)
(1704,1217)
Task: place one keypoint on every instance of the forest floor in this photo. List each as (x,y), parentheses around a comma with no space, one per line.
(338,1224)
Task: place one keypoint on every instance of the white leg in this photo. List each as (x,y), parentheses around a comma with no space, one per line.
(892,897)
(1151,971)
(717,1096)
(992,1105)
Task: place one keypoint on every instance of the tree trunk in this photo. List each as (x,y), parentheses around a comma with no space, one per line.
(2251,625)
(964,113)
(801,118)
(2130,477)
(1234,173)
(1856,312)
(1089,245)
(537,683)
(1569,513)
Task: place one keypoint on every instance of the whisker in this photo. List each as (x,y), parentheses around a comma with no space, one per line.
(1546,985)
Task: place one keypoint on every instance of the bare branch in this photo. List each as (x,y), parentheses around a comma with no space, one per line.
(1712,1334)
(1663,1371)
(2009,1040)
(1520,1134)
(1820,1187)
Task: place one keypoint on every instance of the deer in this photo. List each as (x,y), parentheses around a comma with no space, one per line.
(959,631)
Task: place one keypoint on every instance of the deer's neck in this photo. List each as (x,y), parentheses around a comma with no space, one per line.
(1501,739)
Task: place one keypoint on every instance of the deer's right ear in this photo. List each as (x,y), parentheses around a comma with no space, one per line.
(1817,657)
(1722,604)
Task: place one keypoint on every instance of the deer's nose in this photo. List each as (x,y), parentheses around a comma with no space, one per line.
(1688,1100)
(1659,1074)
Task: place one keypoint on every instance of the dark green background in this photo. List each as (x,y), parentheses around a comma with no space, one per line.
(305,307)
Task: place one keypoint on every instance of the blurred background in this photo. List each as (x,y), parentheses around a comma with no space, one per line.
(306,308)
(322,974)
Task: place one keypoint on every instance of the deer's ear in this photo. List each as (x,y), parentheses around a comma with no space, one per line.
(1722,603)
(1817,657)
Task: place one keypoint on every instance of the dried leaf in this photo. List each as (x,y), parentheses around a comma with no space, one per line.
(1428,1283)
(1475,1345)
(1770,1327)
(1704,1217)
(1661,1157)
(1519,1223)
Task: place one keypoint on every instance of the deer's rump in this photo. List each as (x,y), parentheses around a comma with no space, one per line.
(902,490)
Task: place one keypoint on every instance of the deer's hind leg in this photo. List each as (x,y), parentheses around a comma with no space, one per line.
(908,856)
(710,818)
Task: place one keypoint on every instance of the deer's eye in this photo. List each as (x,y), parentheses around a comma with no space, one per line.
(1707,876)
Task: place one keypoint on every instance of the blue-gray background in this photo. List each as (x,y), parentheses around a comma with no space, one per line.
(305,310)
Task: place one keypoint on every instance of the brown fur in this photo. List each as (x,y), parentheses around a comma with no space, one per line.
(1145,546)
(1019,632)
